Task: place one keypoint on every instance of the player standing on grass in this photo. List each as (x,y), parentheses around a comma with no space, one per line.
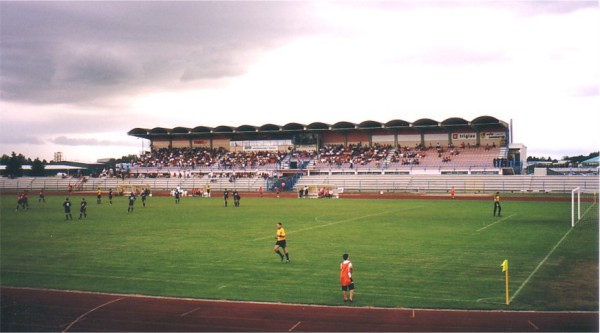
(225,196)
(497,206)
(83,209)
(236,198)
(67,206)
(144,195)
(131,202)
(346,279)
(99,196)
(177,195)
(281,243)
(110,195)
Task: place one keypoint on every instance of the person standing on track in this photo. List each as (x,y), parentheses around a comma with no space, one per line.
(497,206)
(280,242)
(346,279)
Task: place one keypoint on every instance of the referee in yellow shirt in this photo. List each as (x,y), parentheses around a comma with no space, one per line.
(280,243)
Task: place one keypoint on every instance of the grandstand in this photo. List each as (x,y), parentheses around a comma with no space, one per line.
(397,156)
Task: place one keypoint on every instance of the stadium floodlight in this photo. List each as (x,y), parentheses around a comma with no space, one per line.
(584,205)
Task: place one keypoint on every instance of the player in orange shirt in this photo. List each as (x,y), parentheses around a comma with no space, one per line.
(346,279)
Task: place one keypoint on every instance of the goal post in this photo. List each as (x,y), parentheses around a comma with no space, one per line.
(584,205)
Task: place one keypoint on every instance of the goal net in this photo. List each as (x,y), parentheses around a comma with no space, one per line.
(584,206)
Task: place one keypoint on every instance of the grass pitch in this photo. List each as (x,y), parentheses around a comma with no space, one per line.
(406,253)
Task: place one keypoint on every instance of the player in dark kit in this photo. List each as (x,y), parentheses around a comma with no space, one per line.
(131,202)
(225,196)
(83,209)
(236,198)
(67,206)
(110,195)
(144,195)
(177,196)
(497,206)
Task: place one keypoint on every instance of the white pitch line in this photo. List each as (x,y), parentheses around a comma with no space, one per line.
(291,329)
(92,310)
(539,265)
(489,225)
(340,221)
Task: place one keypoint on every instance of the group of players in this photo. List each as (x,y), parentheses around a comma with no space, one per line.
(236,197)
(345,267)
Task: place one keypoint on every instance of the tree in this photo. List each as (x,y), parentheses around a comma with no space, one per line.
(38,168)
(14,166)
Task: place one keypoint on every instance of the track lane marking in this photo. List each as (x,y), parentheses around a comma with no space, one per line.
(92,310)
(293,327)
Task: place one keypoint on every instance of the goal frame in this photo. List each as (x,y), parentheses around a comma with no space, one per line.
(576,204)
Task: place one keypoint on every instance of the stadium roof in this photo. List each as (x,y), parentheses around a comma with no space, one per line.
(478,123)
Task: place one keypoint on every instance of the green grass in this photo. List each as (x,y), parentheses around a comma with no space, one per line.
(406,253)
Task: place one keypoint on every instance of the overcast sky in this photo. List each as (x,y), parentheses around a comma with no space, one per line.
(77,76)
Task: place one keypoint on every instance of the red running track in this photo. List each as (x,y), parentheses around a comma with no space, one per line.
(29,310)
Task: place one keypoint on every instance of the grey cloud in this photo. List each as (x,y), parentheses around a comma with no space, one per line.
(21,139)
(66,141)
(65,52)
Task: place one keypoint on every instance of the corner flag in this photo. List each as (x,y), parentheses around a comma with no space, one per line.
(505,270)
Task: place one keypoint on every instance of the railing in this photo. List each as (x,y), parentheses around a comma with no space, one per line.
(350,182)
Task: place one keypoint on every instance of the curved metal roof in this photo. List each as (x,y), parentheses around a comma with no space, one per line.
(138,132)
(343,125)
(269,128)
(397,123)
(318,126)
(180,130)
(425,122)
(246,129)
(487,120)
(293,127)
(453,122)
(370,124)
(223,129)
(201,129)
(159,130)
(422,124)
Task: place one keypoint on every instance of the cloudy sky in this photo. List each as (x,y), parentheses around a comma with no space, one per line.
(75,77)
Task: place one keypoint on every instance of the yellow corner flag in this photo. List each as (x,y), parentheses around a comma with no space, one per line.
(505,269)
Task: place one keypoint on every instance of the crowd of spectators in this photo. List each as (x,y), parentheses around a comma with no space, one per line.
(187,162)
(192,158)
(353,154)
(180,157)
